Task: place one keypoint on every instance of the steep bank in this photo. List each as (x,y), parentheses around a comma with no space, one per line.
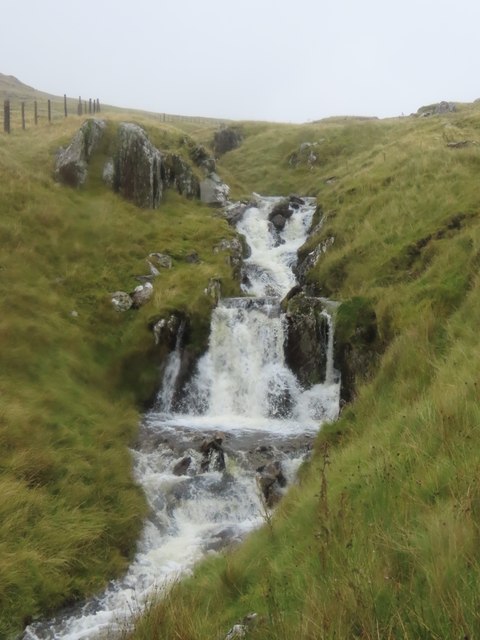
(75,372)
(380,538)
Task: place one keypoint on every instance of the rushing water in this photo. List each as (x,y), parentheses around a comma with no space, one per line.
(242,395)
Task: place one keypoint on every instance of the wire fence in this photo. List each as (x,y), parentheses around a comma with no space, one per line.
(22,114)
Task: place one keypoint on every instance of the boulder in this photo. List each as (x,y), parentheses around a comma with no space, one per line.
(71,166)
(141,295)
(181,467)
(121,301)
(271,481)
(137,167)
(178,174)
(213,454)
(213,191)
(307,338)
(437,109)
(160,260)
(233,212)
(226,139)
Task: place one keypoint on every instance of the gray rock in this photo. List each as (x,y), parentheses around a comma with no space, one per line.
(235,251)
(71,166)
(137,167)
(121,301)
(202,158)
(161,260)
(226,139)
(178,174)
(437,109)
(192,258)
(141,294)
(214,289)
(213,191)
(165,330)
(271,480)
(233,212)
(108,173)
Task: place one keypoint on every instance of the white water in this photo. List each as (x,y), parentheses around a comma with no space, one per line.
(242,387)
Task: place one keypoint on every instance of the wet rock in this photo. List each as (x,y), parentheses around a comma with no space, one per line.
(307,338)
(141,295)
(121,301)
(311,259)
(213,454)
(137,167)
(296,201)
(271,481)
(165,330)
(182,466)
(178,174)
(71,166)
(233,212)
(240,630)
(214,191)
(226,139)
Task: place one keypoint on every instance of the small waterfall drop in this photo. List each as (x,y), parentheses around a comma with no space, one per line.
(242,411)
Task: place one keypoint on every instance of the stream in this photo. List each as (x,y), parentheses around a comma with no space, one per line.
(214,458)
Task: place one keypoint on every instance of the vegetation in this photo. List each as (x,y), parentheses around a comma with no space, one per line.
(380,537)
(75,373)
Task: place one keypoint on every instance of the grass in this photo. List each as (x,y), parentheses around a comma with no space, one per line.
(380,537)
(74,372)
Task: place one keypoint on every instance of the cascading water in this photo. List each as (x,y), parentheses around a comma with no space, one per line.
(243,412)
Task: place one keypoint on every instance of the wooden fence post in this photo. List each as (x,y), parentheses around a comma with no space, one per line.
(94,107)
(23,115)
(90,105)
(35,112)
(65,105)
(80,106)
(98,105)
(49,108)
(6,116)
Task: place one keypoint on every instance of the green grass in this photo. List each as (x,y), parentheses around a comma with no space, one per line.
(74,372)
(379,539)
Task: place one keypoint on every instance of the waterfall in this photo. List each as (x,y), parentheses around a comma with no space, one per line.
(242,411)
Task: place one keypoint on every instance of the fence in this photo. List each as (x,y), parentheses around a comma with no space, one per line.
(23,113)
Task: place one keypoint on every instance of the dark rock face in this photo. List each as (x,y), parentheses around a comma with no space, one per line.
(226,139)
(201,157)
(181,468)
(137,167)
(307,338)
(357,344)
(213,454)
(178,174)
(71,165)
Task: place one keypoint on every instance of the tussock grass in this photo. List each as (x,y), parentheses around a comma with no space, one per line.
(380,537)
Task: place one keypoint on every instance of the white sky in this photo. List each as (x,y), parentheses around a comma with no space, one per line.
(251,59)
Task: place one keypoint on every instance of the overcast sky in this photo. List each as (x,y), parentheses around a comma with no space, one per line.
(251,59)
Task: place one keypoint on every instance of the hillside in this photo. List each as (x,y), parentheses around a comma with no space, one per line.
(379,539)
(75,373)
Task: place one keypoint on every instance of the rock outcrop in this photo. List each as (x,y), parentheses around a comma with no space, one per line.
(214,191)
(178,174)
(234,250)
(71,166)
(437,109)
(226,139)
(271,482)
(201,157)
(137,174)
(307,338)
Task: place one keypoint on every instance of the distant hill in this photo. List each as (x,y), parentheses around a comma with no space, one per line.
(11,88)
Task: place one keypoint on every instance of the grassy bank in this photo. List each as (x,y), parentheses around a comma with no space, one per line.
(74,372)
(380,537)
